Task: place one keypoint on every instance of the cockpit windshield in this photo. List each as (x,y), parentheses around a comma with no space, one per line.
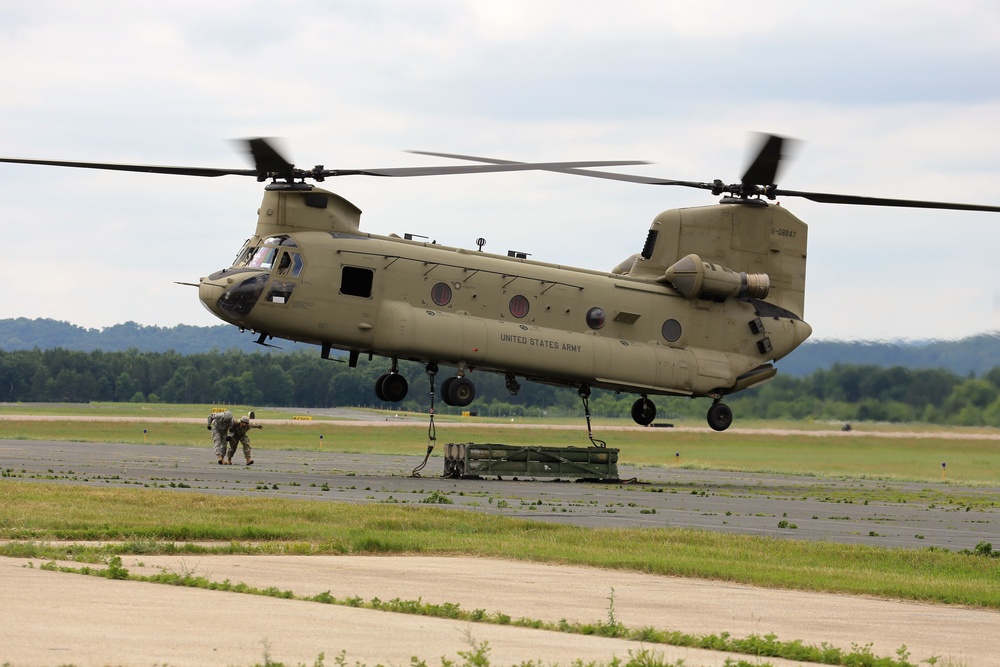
(263,258)
(275,253)
(262,255)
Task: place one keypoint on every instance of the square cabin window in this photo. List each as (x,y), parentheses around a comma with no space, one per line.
(356,282)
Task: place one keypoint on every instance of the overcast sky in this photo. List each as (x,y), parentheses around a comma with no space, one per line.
(892,99)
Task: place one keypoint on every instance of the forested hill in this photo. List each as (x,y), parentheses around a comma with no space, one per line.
(975,355)
(45,334)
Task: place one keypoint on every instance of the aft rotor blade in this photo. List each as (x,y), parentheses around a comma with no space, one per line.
(142,168)
(576,168)
(764,168)
(828,198)
(497,166)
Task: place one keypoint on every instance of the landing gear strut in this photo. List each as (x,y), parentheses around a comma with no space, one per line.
(513,386)
(719,416)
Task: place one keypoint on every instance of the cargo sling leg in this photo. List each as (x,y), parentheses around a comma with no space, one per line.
(431,429)
(585,397)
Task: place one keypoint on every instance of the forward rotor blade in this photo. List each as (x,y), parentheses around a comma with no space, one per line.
(267,159)
(142,168)
(498,166)
(270,164)
(573,168)
(828,198)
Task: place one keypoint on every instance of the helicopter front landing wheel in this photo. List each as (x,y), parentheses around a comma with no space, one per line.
(391,387)
(720,416)
(643,411)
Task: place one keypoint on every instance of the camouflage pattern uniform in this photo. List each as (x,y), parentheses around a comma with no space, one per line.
(219,424)
(238,435)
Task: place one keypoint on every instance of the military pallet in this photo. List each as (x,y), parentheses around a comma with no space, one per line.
(467,459)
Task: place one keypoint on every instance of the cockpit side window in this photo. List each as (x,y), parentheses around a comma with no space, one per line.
(290,264)
(244,255)
(280,291)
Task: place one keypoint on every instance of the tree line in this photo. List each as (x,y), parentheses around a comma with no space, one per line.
(843,392)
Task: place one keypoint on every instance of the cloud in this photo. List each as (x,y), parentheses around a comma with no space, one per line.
(892,99)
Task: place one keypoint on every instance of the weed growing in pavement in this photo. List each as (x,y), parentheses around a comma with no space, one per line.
(613,628)
(478,656)
(437,498)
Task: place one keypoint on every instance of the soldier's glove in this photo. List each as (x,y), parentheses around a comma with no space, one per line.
(209,428)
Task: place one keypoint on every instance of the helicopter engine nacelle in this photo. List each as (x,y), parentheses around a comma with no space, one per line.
(695,278)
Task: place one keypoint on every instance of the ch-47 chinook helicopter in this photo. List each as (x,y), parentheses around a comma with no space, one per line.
(715,296)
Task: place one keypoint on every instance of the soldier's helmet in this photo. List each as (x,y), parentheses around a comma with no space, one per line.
(245,420)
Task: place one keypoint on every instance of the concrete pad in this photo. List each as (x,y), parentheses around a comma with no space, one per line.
(57,618)
(51,618)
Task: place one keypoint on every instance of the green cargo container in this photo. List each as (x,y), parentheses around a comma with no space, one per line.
(463,459)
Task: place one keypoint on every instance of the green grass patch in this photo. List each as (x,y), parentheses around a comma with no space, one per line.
(34,511)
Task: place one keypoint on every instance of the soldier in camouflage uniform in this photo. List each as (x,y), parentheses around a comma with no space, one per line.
(238,435)
(219,424)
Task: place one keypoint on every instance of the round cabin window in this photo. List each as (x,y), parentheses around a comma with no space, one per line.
(671,330)
(441,294)
(595,318)
(519,306)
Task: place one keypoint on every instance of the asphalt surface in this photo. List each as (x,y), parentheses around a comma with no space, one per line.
(866,511)
(55,618)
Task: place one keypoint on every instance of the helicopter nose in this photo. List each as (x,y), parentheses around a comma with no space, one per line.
(232,295)
(209,292)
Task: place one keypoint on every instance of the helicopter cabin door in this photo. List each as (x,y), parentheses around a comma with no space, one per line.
(356,306)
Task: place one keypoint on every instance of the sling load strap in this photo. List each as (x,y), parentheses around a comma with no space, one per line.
(585,397)
(431,429)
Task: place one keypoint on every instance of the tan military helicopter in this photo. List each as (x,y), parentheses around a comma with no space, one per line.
(715,296)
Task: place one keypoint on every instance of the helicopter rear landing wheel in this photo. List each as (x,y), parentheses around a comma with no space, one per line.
(720,416)
(643,411)
(378,387)
(458,391)
(391,387)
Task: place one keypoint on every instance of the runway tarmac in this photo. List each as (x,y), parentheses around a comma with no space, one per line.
(866,511)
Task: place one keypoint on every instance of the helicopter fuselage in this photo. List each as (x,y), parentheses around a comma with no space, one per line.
(310,274)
